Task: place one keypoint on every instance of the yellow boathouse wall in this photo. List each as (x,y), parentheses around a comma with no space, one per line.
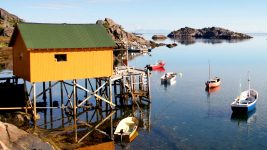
(80,64)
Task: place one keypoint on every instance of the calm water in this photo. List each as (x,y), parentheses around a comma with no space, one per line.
(185,116)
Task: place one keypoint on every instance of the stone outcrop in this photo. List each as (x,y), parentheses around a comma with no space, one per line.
(171,45)
(208,33)
(159,37)
(125,39)
(15,138)
(7,22)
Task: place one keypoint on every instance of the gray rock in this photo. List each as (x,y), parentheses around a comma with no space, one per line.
(156,37)
(15,138)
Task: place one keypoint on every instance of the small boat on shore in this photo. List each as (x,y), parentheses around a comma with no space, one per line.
(246,101)
(212,82)
(159,64)
(169,77)
(126,130)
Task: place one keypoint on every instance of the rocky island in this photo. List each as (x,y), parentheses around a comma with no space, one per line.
(207,33)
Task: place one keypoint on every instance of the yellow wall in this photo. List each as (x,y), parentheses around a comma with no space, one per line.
(80,64)
(21,59)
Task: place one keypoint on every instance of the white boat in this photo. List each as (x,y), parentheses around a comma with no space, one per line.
(246,101)
(169,77)
(126,130)
(213,82)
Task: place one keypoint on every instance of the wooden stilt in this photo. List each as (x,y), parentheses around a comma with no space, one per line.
(85,93)
(111,128)
(115,92)
(110,91)
(62,103)
(75,109)
(50,94)
(34,102)
(44,93)
(61,94)
(26,96)
(45,118)
(51,104)
(96,87)
(148,84)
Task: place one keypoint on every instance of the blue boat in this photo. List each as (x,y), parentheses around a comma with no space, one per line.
(246,101)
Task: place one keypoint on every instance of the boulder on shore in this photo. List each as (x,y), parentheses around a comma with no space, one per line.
(15,138)
(159,37)
(208,33)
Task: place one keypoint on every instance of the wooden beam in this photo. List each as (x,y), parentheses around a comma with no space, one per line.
(97,126)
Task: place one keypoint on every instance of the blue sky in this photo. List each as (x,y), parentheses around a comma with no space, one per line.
(238,15)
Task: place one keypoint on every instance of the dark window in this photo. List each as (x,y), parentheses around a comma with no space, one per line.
(61,57)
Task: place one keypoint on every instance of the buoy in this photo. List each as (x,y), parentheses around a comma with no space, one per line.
(180,74)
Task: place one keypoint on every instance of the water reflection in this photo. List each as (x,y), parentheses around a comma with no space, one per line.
(192,40)
(159,40)
(244,118)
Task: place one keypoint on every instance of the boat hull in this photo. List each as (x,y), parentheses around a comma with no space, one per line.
(154,67)
(243,109)
(246,102)
(126,130)
(159,64)
(168,78)
(126,138)
(213,85)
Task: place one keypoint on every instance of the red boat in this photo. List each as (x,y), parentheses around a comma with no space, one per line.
(162,69)
(159,64)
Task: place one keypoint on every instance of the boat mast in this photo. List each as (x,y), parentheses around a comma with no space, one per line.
(209,69)
(248,85)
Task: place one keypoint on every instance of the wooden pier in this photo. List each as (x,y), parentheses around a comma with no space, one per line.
(127,86)
(72,68)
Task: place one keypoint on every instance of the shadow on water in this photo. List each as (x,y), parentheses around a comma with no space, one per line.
(244,118)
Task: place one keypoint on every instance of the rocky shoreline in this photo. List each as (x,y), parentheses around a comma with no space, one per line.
(15,138)
(124,39)
(207,33)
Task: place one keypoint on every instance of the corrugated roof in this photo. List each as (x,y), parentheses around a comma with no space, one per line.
(50,36)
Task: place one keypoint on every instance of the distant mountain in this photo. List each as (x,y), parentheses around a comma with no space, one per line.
(7,22)
(207,33)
